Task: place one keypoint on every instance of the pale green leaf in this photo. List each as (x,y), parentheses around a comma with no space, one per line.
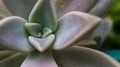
(83,57)
(101,7)
(5,54)
(33,28)
(65,6)
(13,61)
(3,11)
(19,7)
(39,60)
(13,35)
(102,31)
(74,26)
(42,44)
(44,13)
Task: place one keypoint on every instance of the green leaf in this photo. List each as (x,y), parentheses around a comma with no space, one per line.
(65,6)
(33,28)
(39,60)
(3,11)
(19,7)
(42,44)
(101,7)
(73,27)
(44,13)
(13,61)
(5,54)
(102,31)
(83,57)
(13,35)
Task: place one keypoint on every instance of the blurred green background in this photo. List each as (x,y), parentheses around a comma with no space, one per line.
(111,45)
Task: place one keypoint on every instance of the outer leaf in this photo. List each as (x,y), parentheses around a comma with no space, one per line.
(19,7)
(12,34)
(83,57)
(97,37)
(65,6)
(102,31)
(5,54)
(44,13)
(40,60)
(3,11)
(13,61)
(101,7)
(74,26)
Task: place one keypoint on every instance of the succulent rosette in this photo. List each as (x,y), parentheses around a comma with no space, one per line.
(53,33)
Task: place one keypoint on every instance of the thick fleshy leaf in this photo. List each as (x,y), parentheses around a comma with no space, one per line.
(44,13)
(46,31)
(83,57)
(96,39)
(5,54)
(19,7)
(42,44)
(40,60)
(3,11)
(74,26)
(102,31)
(101,7)
(13,35)
(65,6)
(33,28)
(13,61)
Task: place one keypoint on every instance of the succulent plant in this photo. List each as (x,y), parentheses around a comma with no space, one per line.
(53,33)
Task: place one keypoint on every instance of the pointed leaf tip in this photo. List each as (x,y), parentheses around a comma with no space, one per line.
(40,60)
(44,13)
(74,26)
(42,44)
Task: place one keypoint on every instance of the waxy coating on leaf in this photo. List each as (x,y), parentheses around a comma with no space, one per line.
(102,30)
(40,60)
(43,43)
(44,13)
(83,57)
(65,6)
(73,26)
(19,7)
(101,7)
(38,36)
(14,60)
(95,7)
(33,28)
(12,34)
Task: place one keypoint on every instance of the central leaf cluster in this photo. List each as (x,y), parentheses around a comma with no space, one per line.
(37,30)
